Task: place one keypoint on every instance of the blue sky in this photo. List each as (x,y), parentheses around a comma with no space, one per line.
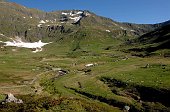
(135,11)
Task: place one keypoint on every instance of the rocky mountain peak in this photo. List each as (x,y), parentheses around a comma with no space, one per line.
(33,24)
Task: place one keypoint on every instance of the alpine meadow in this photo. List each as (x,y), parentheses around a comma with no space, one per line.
(78,61)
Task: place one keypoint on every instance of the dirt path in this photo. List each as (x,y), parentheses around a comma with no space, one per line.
(8,87)
(37,76)
(32,82)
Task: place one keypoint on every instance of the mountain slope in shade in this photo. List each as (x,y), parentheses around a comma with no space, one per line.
(157,41)
(160,38)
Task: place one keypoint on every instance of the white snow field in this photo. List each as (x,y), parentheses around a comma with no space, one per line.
(35,45)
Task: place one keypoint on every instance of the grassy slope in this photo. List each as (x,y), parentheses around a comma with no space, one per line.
(82,88)
(18,66)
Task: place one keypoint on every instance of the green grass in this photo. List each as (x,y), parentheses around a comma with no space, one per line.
(20,66)
(2,97)
(154,76)
(134,71)
(66,104)
(81,89)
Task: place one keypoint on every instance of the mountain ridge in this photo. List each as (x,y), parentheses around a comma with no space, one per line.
(40,22)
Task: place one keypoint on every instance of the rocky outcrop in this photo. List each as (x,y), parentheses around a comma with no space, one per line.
(10,98)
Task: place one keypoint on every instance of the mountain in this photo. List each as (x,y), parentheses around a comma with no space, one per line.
(164,23)
(160,35)
(74,28)
(72,60)
(154,41)
(32,24)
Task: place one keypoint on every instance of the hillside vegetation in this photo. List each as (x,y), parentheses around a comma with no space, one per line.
(93,64)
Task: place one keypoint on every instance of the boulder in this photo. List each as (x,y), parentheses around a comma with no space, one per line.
(90,64)
(62,72)
(10,98)
(127,108)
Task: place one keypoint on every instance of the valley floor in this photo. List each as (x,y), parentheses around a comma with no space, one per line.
(106,81)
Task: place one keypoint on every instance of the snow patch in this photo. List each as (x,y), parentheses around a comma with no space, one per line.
(71,14)
(76,19)
(108,31)
(123,28)
(63,13)
(2,34)
(80,12)
(19,43)
(24,17)
(31,17)
(39,25)
(132,30)
(47,20)
(42,21)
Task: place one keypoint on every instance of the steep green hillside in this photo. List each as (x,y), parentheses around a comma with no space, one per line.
(155,42)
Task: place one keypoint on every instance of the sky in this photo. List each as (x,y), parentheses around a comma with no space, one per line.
(133,11)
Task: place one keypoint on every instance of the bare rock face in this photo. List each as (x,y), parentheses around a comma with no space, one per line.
(10,98)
